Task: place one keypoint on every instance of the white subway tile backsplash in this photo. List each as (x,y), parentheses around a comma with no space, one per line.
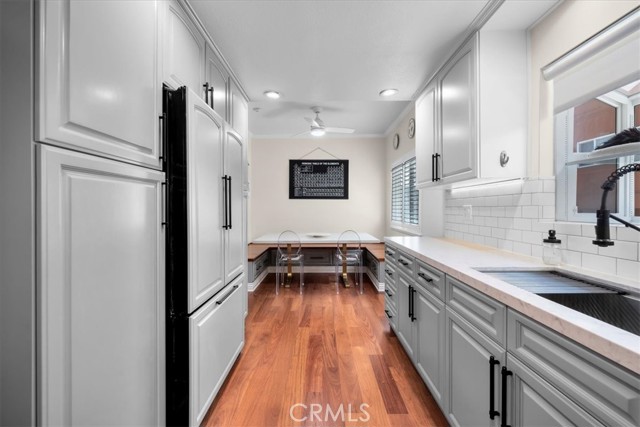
(599,263)
(628,269)
(517,218)
(621,249)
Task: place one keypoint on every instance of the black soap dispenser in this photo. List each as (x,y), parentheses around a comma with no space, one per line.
(551,253)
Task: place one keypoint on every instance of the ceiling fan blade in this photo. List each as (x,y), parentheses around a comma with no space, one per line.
(339,130)
(313,122)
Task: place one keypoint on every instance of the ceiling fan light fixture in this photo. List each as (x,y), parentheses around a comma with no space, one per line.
(272,94)
(388,92)
(315,131)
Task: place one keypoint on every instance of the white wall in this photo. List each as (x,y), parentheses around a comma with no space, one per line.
(271,210)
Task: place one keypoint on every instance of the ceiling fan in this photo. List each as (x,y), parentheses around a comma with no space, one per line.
(318,128)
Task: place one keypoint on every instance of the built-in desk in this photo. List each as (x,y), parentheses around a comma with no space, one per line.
(319,257)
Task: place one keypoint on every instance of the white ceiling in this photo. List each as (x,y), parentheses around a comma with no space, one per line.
(335,54)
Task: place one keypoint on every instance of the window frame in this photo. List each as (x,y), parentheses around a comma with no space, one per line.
(402,225)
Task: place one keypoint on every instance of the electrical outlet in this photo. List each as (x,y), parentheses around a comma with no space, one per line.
(468,212)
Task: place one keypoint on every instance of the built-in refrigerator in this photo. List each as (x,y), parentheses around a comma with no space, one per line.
(204,166)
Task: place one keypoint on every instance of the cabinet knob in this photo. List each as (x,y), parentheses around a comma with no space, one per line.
(504,158)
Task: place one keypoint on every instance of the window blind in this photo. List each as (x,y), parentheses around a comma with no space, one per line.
(405,199)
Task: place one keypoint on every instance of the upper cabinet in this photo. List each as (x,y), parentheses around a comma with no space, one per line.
(216,83)
(238,110)
(185,50)
(472,118)
(97,78)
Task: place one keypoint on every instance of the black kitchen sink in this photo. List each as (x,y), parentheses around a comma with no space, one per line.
(587,296)
(615,309)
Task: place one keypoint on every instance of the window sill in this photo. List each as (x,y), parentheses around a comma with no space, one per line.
(408,229)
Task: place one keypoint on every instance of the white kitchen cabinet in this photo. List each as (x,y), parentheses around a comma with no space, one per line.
(100,287)
(216,339)
(184,55)
(471,121)
(217,81)
(235,244)
(97,78)
(407,328)
(205,198)
(238,110)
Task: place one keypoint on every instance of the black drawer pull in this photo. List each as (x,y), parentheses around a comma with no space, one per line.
(227,295)
(425,277)
(492,387)
(386,270)
(387,313)
(403,262)
(389,253)
(505,373)
(386,291)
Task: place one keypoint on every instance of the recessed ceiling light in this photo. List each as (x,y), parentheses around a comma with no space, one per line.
(388,92)
(272,94)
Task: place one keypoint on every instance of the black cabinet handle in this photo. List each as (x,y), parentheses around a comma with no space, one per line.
(410,305)
(492,387)
(437,156)
(221,300)
(389,253)
(387,313)
(413,302)
(163,131)
(389,273)
(403,262)
(425,277)
(206,93)
(229,203)
(386,291)
(505,373)
(433,168)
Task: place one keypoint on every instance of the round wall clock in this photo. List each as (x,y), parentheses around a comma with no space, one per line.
(396,141)
(412,127)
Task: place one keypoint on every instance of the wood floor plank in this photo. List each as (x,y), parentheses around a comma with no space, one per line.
(321,359)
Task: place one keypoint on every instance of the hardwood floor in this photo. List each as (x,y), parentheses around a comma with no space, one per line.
(321,359)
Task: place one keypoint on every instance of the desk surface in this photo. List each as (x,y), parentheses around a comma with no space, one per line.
(257,249)
(325,238)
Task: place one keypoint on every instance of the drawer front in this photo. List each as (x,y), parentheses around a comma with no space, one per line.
(390,272)
(485,313)
(390,254)
(608,391)
(390,297)
(392,317)
(318,257)
(260,265)
(431,279)
(406,264)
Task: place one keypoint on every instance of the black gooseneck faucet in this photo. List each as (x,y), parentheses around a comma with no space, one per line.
(603,214)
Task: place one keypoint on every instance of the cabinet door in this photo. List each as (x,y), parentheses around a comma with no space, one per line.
(467,356)
(459,116)
(205,201)
(218,79)
(537,403)
(234,236)
(239,110)
(216,333)
(406,330)
(100,292)
(426,136)
(97,81)
(184,50)
(430,314)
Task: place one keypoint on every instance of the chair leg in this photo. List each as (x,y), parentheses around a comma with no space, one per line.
(277,277)
(301,276)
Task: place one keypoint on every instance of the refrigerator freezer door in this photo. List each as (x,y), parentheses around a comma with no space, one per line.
(204,201)
(216,335)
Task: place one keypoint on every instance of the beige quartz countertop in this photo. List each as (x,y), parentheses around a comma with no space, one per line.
(461,261)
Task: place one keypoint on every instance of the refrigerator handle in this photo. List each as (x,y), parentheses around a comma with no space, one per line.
(206,93)
(224,221)
(229,204)
(164,207)
(163,130)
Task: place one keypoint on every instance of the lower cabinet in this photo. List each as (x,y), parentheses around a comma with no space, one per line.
(535,402)
(407,330)
(100,287)
(472,374)
(430,318)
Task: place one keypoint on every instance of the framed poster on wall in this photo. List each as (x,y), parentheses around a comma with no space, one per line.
(318,179)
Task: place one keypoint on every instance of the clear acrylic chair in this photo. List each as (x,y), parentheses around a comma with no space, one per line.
(349,252)
(289,252)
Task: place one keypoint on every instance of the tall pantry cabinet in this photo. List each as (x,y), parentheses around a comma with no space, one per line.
(82,299)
